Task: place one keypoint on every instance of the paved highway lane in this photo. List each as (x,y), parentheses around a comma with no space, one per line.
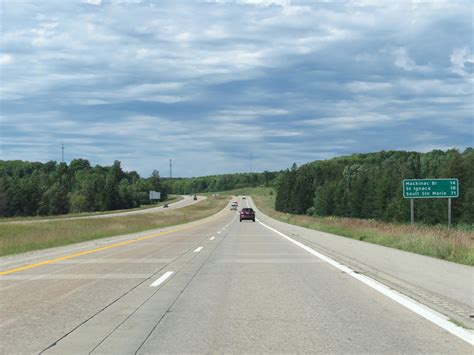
(220,286)
(186,200)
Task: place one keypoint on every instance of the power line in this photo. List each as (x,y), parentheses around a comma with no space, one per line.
(62,152)
(171,167)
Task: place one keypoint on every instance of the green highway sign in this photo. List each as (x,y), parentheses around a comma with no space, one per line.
(430,188)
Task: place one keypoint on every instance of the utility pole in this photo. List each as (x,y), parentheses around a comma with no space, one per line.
(171,167)
(62,152)
(251,158)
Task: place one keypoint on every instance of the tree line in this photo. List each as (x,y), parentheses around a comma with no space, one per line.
(32,188)
(215,183)
(360,185)
(370,186)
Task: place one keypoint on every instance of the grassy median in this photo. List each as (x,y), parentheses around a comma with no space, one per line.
(456,244)
(22,237)
(171,199)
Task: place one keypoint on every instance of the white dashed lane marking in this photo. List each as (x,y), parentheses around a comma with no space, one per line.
(162,279)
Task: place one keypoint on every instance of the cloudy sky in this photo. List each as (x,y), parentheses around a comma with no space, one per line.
(216,85)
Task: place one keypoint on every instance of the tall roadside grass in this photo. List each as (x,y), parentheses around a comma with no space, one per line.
(22,237)
(455,244)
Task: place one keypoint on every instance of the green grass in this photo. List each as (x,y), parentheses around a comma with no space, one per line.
(456,244)
(171,199)
(23,237)
(458,323)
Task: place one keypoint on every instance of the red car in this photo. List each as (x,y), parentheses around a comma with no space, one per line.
(247,214)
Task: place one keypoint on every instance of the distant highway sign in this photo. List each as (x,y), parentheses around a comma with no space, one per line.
(430,188)
(154,195)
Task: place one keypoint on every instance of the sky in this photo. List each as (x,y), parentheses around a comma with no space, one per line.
(232,86)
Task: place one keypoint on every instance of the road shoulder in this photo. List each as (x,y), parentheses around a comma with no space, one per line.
(441,285)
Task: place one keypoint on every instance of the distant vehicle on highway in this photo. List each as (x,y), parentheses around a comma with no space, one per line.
(195,198)
(247,214)
(243,197)
(234,206)
(165,205)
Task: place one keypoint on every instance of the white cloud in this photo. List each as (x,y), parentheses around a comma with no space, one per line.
(248,114)
(349,122)
(459,59)
(266,2)
(92,2)
(182,77)
(403,60)
(5,59)
(362,86)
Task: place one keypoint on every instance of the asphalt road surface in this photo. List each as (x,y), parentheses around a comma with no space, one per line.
(185,201)
(215,286)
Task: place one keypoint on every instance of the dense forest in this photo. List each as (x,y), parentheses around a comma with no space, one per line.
(31,188)
(214,183)
(370,186)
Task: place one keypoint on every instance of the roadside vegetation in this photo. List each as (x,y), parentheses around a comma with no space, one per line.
(44,189)
(456,244)
(170,199)
(367,186)
(224,182)
(23,237)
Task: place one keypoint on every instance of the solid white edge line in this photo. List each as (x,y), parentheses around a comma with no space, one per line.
(197,250)
(212,238)
(405,301)
(161,279)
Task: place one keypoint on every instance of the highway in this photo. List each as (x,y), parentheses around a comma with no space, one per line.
(212,286)
(185,200)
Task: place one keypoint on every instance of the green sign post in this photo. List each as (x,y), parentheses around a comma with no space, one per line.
(430,188)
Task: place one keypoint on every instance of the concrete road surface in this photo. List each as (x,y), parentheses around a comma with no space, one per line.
(215,286)
(442,285)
